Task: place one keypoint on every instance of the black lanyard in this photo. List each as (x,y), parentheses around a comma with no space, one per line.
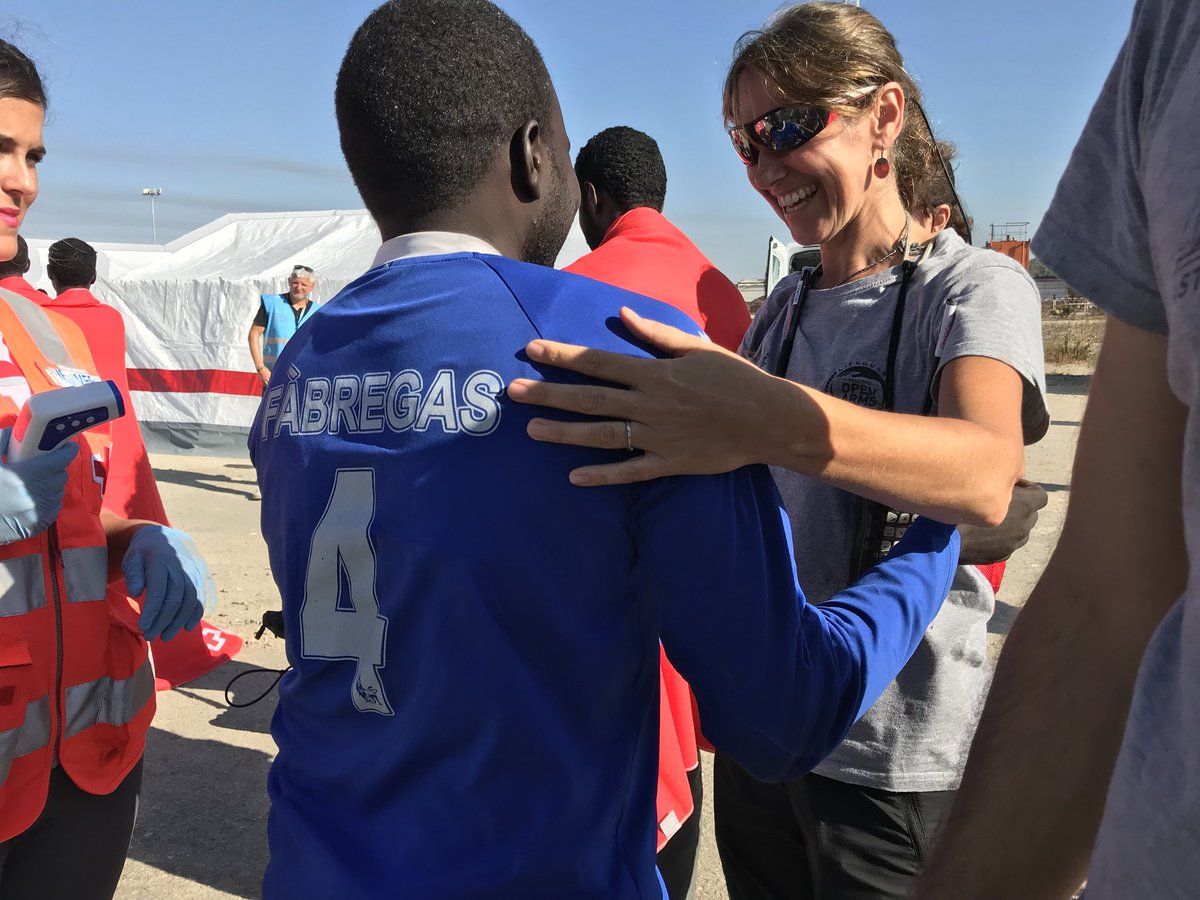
(779,370)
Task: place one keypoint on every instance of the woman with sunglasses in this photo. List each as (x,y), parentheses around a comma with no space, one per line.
(76,685)
(900,377)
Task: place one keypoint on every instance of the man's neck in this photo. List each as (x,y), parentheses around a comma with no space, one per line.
(297,301)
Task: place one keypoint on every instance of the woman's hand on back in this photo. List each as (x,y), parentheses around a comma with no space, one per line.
(695,414)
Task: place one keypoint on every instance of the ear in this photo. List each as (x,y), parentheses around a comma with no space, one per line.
(589,199)
(887,117)
(529,158)
(941,217)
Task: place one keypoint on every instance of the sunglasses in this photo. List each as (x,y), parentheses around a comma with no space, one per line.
(782,129)
(786,127)
(296,269)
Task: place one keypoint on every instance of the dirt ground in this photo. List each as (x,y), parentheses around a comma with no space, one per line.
(201,831)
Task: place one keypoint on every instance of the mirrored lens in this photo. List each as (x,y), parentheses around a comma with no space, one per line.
(746,150)
(787,128)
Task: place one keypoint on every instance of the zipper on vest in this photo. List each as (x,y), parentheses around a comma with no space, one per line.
(55,559)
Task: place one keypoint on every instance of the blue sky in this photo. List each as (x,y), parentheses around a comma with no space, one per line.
(228,105)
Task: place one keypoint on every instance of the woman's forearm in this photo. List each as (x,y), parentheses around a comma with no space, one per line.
(950,469)
(708,411)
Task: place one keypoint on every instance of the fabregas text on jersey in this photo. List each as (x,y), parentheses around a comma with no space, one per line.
(371,403)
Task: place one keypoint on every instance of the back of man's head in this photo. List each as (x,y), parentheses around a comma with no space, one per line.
(19,264)
(71,263)
(627,165)
(428,93)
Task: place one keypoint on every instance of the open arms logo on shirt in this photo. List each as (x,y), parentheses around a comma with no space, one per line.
(860,383)
(379,401)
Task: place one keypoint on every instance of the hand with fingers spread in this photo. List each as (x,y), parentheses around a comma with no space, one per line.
(699,413)
(165,563)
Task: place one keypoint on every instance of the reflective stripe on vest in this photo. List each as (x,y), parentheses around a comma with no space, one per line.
(40,328)
(107,700)
(87,573)
(22,588)
(33,734)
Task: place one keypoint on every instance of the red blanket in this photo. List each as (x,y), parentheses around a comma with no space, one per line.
(644,253)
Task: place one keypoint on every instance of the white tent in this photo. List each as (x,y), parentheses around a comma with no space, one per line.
(188,306)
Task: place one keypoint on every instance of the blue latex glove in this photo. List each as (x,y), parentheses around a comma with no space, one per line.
(31,492)
(165,563)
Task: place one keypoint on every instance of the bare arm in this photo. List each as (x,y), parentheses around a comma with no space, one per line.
(255,338)
(710,411)
(1065,679)
(931,465)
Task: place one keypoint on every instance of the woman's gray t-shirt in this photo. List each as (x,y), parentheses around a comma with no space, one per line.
(962,301)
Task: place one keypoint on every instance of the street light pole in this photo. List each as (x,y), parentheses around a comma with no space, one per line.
(152,193)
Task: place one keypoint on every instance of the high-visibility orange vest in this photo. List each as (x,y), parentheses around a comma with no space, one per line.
(76,687)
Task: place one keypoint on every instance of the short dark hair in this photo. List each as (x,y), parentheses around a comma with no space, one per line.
(19,264)
(627,165)
(19,78)
(71,262)
(427,94)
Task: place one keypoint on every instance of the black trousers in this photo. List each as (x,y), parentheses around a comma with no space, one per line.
(76,848)
(819,839)
(677,859)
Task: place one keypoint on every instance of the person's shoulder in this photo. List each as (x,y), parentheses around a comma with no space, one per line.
(769,312)
(569,307)
(107,311)
(953,264)
(783,291)
(715,283)
(594,262)
(403,280)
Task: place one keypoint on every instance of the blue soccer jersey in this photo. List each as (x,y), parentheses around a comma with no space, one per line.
(472,708)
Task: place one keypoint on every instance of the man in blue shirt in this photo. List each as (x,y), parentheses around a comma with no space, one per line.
(472,709)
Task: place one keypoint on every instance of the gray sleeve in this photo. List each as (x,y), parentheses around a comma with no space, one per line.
(1094,236)
(993,310)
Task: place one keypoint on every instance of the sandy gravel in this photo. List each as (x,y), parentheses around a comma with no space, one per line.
(201,831)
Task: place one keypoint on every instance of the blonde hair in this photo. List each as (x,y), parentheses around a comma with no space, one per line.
(821,54)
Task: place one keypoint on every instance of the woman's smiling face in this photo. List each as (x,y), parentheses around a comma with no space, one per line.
(820,186)
(20,151)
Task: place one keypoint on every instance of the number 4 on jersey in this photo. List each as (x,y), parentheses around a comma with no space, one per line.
(340,616)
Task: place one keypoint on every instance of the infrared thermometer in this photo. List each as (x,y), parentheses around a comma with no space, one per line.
(49,419)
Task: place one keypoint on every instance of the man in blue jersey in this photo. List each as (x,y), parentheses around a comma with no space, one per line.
(472,708)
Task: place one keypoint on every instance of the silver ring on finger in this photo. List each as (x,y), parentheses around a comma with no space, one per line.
(628,436)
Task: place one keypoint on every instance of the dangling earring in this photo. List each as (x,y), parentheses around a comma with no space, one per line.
(883,168)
